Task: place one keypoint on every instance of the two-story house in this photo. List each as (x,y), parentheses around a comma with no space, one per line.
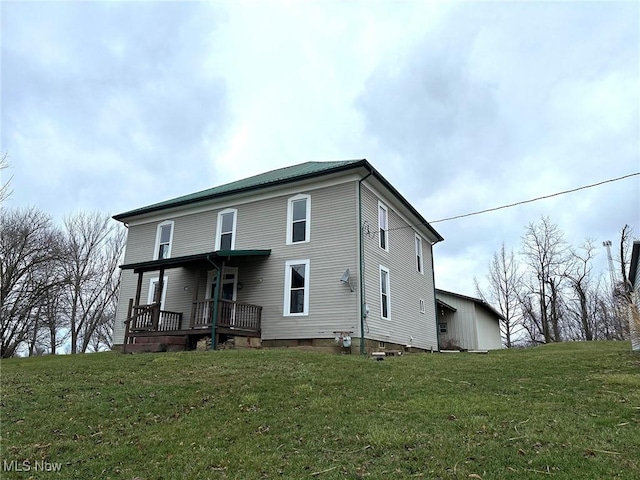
(303,255)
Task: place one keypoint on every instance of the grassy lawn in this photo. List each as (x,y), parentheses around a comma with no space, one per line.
(557,411)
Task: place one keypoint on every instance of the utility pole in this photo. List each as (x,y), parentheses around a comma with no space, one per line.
(607,244)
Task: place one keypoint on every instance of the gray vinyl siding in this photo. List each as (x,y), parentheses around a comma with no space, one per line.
(488,328)
(263,225)
(472,326)
(461,329)
(406,325)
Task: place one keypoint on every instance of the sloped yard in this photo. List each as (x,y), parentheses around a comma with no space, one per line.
(561,411)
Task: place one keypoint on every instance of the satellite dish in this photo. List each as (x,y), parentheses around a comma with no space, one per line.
(345,279)
(345,276)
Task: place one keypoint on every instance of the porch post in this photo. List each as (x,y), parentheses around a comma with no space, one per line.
(139,288)
(216,295)
(127,326)
(195,298)
(158,299)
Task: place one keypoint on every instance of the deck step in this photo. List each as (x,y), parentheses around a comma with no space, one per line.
(166,339)
(154,347)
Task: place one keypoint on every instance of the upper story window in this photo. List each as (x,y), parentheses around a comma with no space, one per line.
(385,293)
(419,261)
(298,219)
(296,288)
(383,226)
(164,240)
(226,230)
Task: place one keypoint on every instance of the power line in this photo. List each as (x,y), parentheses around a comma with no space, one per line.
(536,199)
(370,234)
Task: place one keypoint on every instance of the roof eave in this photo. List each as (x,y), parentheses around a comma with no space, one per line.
(405,202)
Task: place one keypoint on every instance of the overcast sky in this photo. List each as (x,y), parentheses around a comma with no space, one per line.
(461,106)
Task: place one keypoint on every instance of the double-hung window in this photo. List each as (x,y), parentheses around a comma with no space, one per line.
(419,262)
(296,288)
(226,230)
(298,219)
(164,240)
(383,226)
(385,293)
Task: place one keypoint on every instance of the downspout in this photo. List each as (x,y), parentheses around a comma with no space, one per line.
(214,320)
(363,312)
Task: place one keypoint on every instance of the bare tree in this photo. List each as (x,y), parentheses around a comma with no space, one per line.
(5,186)
(578,275)
(504,291)
(29,244)
(544,250)
(93,247)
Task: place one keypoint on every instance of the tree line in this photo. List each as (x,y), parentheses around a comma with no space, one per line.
(58,284)
(548,290)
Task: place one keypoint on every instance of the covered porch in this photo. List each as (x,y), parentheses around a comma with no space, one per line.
(212,311)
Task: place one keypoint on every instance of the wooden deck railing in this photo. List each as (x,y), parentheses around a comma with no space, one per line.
(241,316)
(202,314)
(151,318)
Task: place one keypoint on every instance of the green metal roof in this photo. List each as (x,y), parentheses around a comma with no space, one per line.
(274,177)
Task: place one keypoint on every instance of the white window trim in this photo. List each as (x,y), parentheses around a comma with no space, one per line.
(219,227)
(307,230)
(287,288)
(386,229)
(157,248)
(422,306)
(164,291)
(386,270)
(419,255)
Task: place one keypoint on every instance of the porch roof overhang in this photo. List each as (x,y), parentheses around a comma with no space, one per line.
(444,305)
(192,260)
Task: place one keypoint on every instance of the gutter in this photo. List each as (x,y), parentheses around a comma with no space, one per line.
(363,312)
(216,294)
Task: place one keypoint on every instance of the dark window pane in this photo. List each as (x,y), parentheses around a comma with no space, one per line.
(299,210)
(165,233)
(385,307)
(227,291)
(163,251)
(297,301)
(299,231)
(227,222)
(225,241)
(383,238)
(297,276)
(419,264)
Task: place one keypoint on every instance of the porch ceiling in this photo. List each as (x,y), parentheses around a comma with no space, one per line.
(191,260)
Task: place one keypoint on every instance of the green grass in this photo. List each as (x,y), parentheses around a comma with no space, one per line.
(558,411)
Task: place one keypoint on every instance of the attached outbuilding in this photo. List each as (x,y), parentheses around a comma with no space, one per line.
(467,323)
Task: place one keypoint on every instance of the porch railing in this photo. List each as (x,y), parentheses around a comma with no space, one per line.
(233,315)
(151,318)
